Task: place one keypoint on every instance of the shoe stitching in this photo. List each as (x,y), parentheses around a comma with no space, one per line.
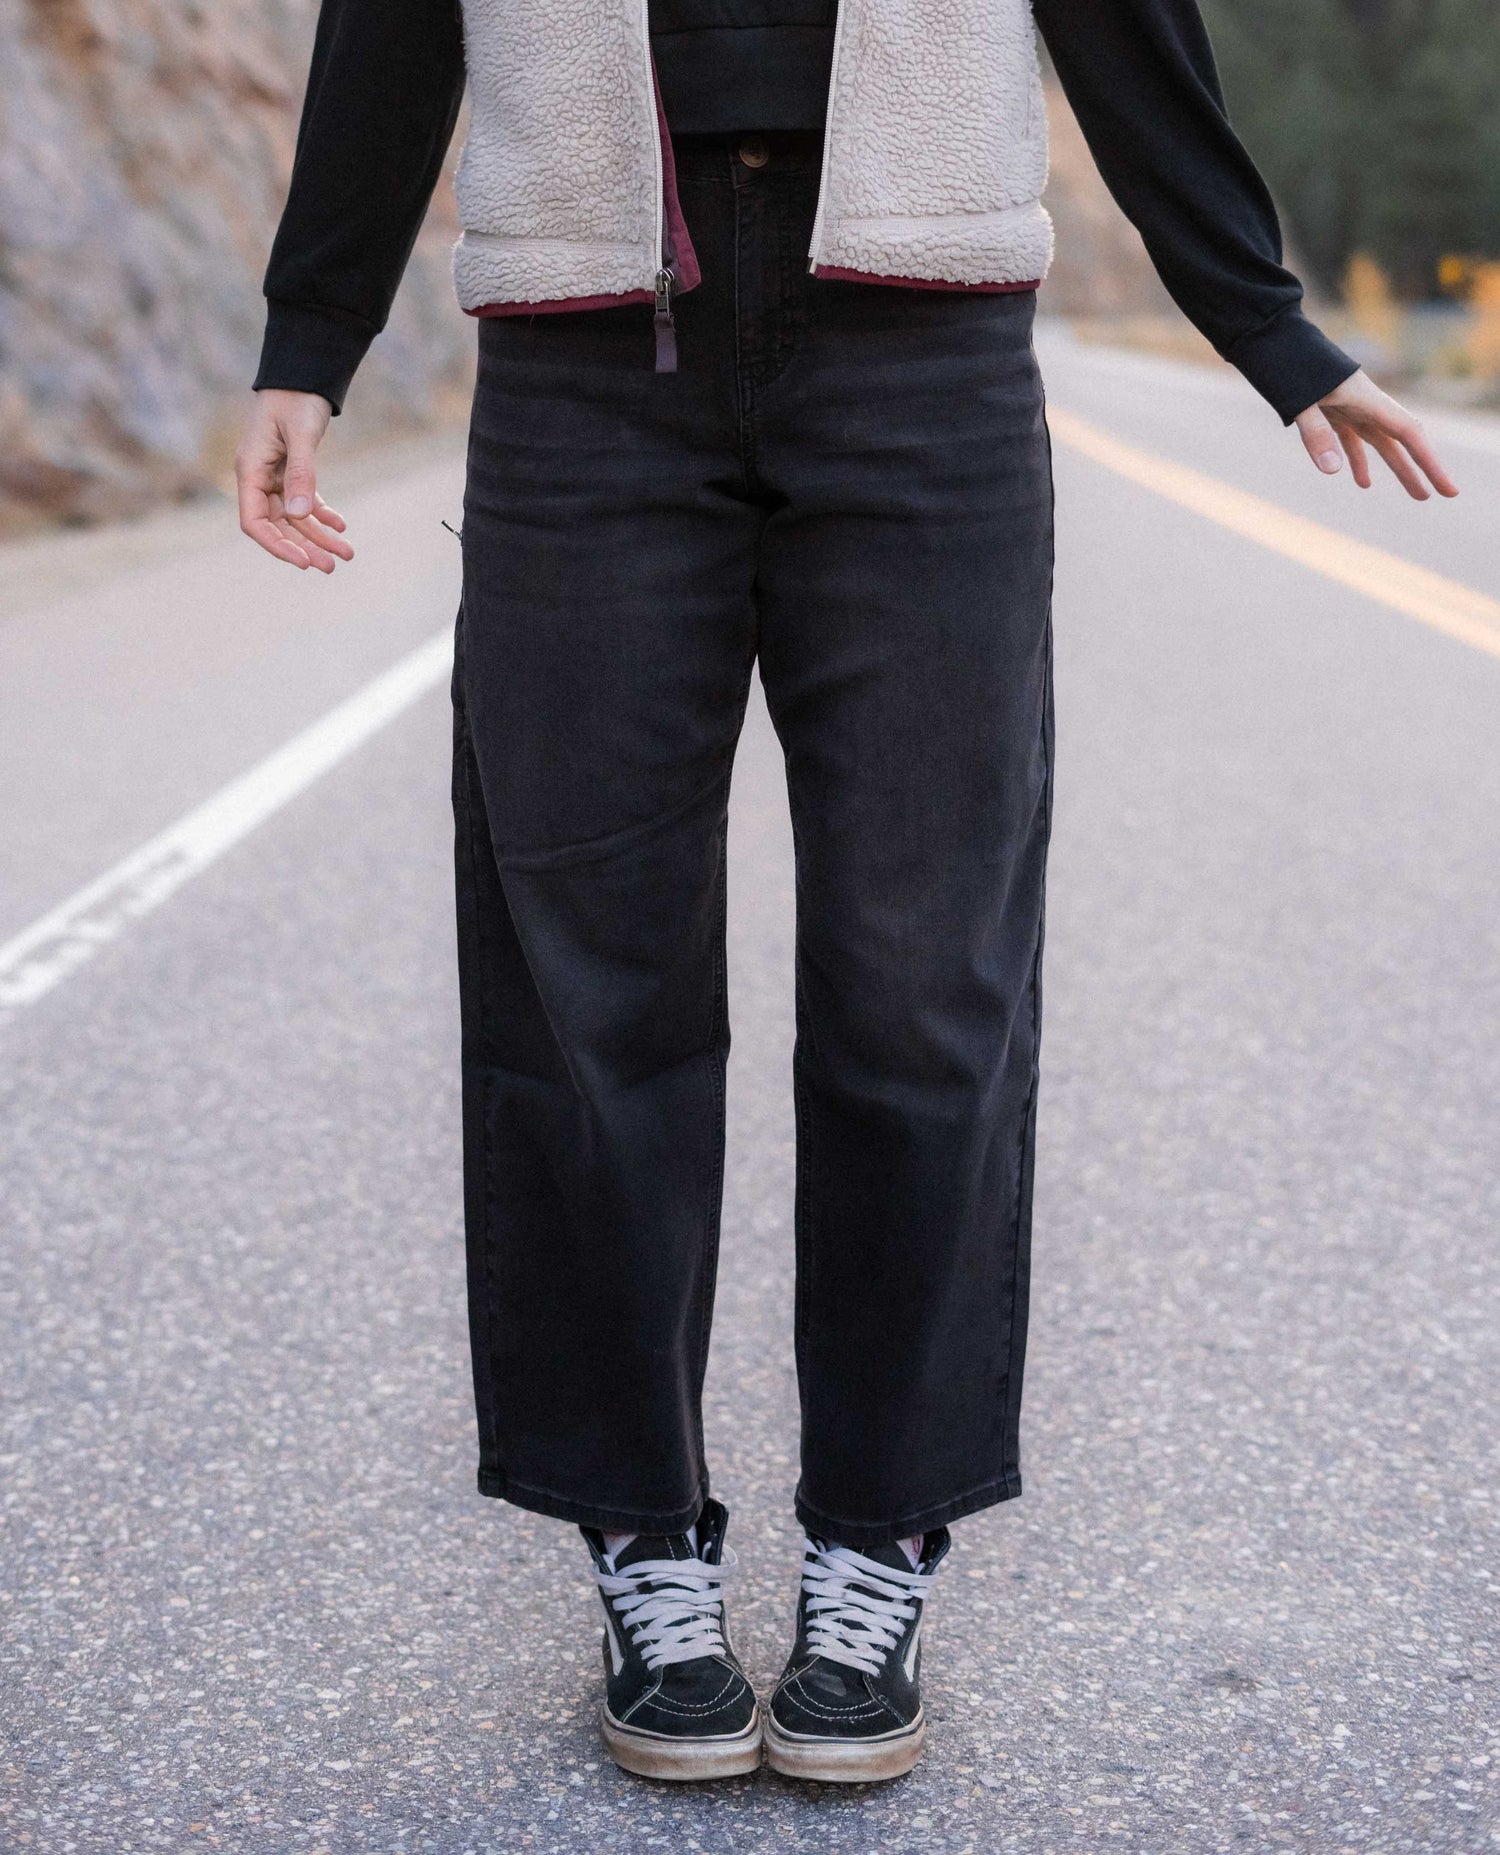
(717,1705)
(672,1712)
(820,1708)
(657,1699)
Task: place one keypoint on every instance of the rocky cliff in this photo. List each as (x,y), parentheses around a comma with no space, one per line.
(144,152)
(1101,268)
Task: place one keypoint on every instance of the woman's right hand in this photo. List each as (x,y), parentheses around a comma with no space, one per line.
(280,508)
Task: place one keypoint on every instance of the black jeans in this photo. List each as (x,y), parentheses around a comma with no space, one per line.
(851,483)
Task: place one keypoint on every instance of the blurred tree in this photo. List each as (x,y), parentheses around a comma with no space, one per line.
(1377,123)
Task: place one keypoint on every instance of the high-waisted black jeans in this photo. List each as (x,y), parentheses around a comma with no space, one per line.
(849,483)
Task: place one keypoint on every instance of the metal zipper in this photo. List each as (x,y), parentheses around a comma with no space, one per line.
(666,274)
(666,329)
(833,79)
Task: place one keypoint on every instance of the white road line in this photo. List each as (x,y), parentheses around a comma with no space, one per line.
(41,956)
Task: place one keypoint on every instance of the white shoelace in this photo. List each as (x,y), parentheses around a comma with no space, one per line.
(856,1608)
(681,1616)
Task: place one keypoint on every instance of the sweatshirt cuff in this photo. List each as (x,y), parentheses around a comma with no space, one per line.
(1291,362)
(311,348)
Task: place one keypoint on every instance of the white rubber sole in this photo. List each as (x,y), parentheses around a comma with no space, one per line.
(660,1755)
(845,1761)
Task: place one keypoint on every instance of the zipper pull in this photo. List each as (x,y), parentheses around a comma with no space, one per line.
(666,329)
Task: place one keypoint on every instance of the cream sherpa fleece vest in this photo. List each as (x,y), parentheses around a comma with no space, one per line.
(934,154)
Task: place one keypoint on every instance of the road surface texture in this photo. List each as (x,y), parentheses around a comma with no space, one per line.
(250,1600)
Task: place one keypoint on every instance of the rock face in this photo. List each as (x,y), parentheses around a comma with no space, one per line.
(145,147)
(1101,267)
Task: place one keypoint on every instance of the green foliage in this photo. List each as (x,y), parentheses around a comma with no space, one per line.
(1376,122)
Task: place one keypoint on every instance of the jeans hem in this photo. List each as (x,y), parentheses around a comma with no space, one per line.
(583,1513)
(927,1520)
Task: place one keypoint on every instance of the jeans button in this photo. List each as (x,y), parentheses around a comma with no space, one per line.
(753,151)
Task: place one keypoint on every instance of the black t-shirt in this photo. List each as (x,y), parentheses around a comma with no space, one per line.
(742,64)
(387,78)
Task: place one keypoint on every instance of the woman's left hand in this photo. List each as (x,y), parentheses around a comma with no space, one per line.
(1357,414)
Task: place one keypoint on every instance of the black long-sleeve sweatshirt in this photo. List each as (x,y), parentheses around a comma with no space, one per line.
(387,78)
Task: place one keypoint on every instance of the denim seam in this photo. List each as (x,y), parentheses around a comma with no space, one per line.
(486,1229)
(713,1198)
(1018,1303)
(805,1169)
(486,1138)
(719,1024)
(1018,1309)
(741,383)
(789,298)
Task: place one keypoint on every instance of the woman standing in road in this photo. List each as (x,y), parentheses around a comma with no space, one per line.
(755,282)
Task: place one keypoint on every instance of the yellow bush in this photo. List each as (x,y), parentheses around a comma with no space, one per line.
(1370,303)
(1476,353)
(1484,333)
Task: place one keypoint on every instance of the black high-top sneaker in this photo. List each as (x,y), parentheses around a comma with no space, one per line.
(677,1704)
(848,1708)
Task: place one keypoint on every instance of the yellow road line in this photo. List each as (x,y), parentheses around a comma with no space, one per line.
(1456,610)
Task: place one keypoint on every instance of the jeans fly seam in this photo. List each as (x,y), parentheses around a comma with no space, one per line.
(789,296)
(742,395)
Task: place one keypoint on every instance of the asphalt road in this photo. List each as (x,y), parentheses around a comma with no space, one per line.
(249,1599)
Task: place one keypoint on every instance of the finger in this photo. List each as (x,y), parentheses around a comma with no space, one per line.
(299,485)
(275,541)
(316,556)
(1318,437)
(1416,441)
(256,522)
(311,529)
(308,530)
(330,517)
(321,544)
(1402,468)
(1359,457)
